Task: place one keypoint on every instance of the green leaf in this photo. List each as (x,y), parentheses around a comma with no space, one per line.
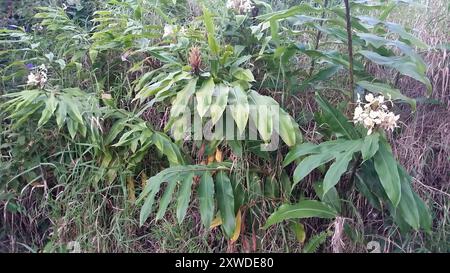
(225,202)
(149,193)
(204,96)
(405,35)
(404,65)
(74,112)
(262,114)
(50,107)
(206,198)
(322,75)
(61,114)
(331,197)
(184,196)
(386,91)
(407,207)
(165,199)
(72,126)
(337,169)
(298,151)
(335,119)
(286,127)
(283,14)
(308,164)
(387,171)
(424,213)
(239,108)
(209,24)
(370,146)
(303,209)
(299,231)
(181,101)
(243,74)
(219,102)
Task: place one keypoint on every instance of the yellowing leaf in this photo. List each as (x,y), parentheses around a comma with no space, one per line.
(299,230)
(219,155)
(210,159)
(216,222)
(130,190)
(237,229)
(143,179)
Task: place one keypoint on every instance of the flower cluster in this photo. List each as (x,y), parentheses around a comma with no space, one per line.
(240,6)
(169,30)
(374,113)
(38,78)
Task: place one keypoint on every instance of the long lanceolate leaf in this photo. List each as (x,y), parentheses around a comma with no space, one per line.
(303,209)
(172,176)
(206,198)
(184,196)
(387,171)
(225,201)
(338,168)
(335,119)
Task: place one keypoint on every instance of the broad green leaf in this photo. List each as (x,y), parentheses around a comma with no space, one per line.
(404,65)
(308,164)
(424,213)
(405,35)
(338,168)
(262,113)
(225,202)
(149,193)
(386,91)
(50,107)
(335,119)
(239,107)
(283,14)
(299,231)
(219,102)
(209,24)
(171,175)
(206,198)
(298,151)
(165,199)
(204,97)
(387,171)
(115,130)
(331,197)
(243,74)
(303,209)
(370,146)
(61,113)
(407,207)
(72,126)
(74,112)
(286,127)
(184,196)
(179,106)
(322,75)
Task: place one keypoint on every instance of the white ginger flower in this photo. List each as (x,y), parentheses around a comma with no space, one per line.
(369,97)
(374,113)
(39,78)
(240,6)
(32,79)
(169,30)
(357,113)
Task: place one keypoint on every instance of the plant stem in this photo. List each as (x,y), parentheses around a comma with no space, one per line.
(318,37)
(350,47)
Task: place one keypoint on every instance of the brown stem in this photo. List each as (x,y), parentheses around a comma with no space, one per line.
(350,46)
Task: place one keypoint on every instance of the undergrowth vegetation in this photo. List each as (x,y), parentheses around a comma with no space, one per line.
(224,126)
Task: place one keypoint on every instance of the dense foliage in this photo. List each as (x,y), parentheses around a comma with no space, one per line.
(97,97)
